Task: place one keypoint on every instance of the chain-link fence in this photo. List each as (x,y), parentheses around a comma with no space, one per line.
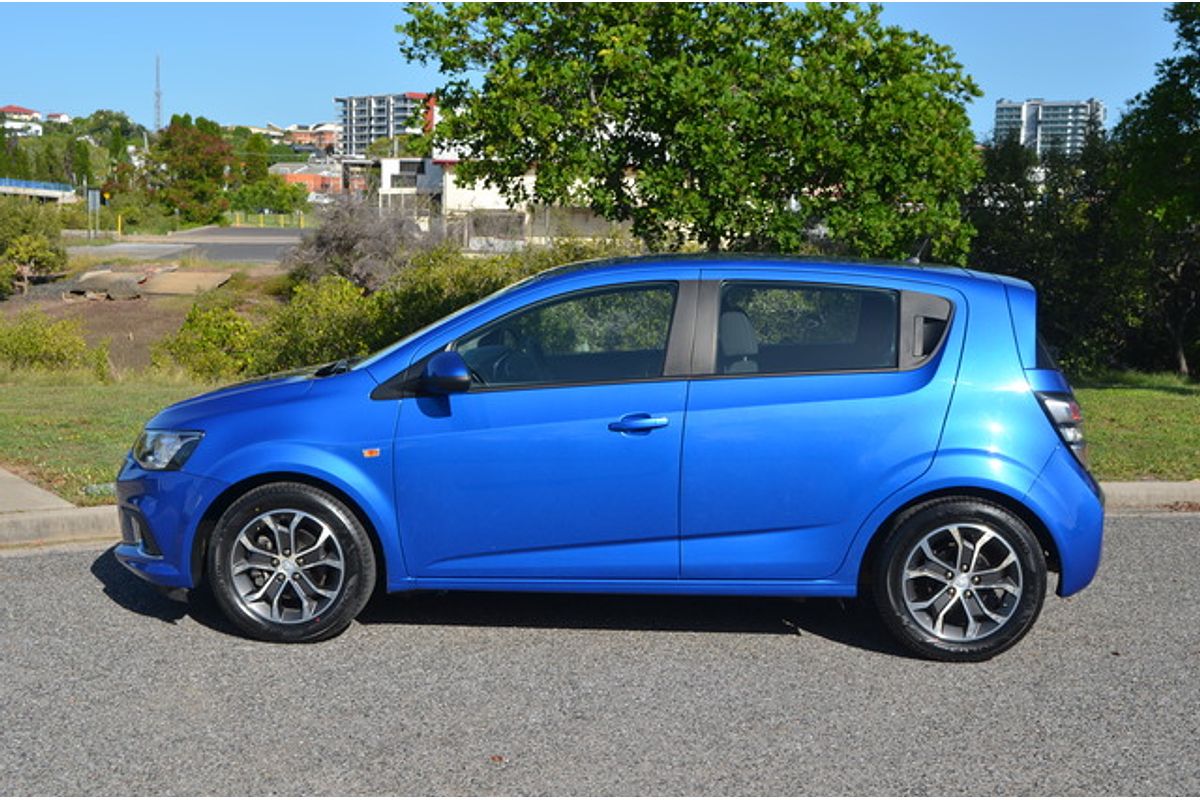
(500,231)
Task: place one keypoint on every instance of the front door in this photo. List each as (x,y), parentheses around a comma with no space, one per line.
(562,461)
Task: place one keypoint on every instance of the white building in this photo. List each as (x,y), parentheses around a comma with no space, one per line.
(1046,125)
(366,118)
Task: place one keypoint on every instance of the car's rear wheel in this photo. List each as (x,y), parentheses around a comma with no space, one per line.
(959,579)
(288,562)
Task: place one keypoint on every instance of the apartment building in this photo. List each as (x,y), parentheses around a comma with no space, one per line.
(365,118)
(1048,125)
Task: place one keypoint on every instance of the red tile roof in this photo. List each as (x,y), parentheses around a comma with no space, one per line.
(16,110)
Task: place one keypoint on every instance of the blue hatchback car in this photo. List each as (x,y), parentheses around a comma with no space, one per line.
(688,425)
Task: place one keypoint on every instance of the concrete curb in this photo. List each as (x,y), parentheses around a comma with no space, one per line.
(96,523)
(58,526)
(1152,494)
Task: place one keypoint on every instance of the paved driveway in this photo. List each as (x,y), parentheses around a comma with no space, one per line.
(107,688)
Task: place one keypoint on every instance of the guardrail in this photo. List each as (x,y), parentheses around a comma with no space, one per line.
(16,183)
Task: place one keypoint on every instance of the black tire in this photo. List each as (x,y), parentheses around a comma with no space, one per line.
(899,585)
(336,594)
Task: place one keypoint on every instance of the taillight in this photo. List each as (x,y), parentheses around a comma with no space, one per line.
(1067,418)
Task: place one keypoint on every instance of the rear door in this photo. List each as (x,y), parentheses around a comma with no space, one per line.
(824,394)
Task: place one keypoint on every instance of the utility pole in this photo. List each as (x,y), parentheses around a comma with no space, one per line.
(157,96)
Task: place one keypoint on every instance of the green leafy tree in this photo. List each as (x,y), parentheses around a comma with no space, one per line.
(102,123)
(403,146)
(117,147)
(255,158)
(1052,223)
(190,164)
(736,125)
(1159,141)
(79,163)
(272,194)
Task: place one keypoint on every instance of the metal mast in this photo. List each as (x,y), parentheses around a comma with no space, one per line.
(157,97)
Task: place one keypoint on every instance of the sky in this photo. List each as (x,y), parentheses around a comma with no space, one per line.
(254,63)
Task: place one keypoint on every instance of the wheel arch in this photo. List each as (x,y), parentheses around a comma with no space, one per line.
(212,514)
(1007,502)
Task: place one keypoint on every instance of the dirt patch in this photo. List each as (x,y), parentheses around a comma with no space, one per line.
(131,326)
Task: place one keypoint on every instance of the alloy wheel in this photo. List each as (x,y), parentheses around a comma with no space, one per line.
(962,582)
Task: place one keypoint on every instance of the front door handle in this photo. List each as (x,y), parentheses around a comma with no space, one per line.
(638,423)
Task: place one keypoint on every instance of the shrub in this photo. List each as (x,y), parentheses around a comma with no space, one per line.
(32,254)
(8,277)
(214,342)
(444,280)
(33,340)
(324,321)
(20,217)
(334,318)
(358,244)
(271,194)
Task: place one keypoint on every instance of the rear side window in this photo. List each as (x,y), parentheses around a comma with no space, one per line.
(599,336)
(797,327)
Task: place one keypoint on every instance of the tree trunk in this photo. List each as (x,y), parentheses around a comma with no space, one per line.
(1181,358)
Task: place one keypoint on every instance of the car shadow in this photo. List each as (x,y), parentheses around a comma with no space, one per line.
(846,622)
(136,595)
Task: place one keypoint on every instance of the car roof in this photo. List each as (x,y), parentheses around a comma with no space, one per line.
(888,269)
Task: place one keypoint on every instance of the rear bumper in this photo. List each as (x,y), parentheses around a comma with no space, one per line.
(1071,504)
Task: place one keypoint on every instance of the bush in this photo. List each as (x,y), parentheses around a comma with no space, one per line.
(29,242)
(333,318)
(214,342)
(8,278)
(20,217)
(32,254)
(444,280)
(34,341)
(324,321)
(358,244)
(271,194)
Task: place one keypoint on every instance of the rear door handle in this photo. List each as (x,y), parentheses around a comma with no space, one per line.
(638,423)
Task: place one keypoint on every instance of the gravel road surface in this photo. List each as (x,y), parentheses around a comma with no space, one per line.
(110,689)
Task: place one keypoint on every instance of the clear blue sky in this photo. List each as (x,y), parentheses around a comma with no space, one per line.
(244,63)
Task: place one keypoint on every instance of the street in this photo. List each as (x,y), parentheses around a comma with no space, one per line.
(235,245)
(109,688)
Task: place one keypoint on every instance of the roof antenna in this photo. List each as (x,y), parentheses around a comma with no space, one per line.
(915,260)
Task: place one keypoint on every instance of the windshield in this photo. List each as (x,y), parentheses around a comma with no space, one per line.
(391,348)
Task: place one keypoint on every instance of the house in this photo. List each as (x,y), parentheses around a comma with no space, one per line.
(61,119)
(20,114)
(321,179)
(321,135)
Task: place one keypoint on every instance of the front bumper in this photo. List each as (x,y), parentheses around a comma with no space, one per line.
(160,512)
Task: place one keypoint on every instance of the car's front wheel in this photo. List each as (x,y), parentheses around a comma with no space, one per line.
(288,562)
(959,579)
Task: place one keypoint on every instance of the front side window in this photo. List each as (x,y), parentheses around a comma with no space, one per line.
(792,327)
(598,336)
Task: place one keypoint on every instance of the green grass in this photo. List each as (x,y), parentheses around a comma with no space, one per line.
(1142,426)
(67,432)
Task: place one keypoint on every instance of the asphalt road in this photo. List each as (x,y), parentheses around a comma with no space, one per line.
(109,689)
(236,245)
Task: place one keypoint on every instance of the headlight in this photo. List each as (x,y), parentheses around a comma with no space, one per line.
(159,450)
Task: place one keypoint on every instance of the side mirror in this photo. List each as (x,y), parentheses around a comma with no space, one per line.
(446,373)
